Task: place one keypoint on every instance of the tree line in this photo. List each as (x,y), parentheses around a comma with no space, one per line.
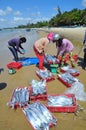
(75,17)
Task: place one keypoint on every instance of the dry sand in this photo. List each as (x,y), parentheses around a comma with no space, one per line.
(15,120)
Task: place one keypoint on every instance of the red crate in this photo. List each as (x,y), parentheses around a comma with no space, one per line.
(56,62)
(16,105)
(14,65)
(37,97)
(68,109)
(47,79)
(50,124)
(52,62)
(64,82)
(73,74)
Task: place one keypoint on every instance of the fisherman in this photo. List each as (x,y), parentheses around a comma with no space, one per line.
(15,45)
(40,47)
(84,43)
(84,50)
(64,46)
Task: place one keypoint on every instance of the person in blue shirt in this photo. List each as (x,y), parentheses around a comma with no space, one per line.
(15,46)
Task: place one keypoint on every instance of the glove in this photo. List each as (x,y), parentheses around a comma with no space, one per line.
(42,53)
(24,51)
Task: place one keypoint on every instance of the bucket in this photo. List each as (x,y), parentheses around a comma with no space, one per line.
(54,68)
(11,71)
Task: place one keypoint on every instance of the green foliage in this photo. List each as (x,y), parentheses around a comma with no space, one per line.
(74,17)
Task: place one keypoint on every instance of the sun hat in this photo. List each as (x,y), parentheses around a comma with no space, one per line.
(50,36)
(56,37)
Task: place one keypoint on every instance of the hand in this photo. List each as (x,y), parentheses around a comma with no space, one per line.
(56,56)
(46,54)
(24,51)
(42,53)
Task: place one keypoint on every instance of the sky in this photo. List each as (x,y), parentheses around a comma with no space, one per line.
(22,12)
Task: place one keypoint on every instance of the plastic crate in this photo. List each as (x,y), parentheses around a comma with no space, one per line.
(65,70)
(54,68)
(47,79)
(66,83)
(50,62)
(17,104)
(24,112)
(14,65)
(38,96)
(56,61)
(69,109)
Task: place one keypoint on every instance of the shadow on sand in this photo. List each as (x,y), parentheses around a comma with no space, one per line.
(81,63)
(1,69)
(2,85)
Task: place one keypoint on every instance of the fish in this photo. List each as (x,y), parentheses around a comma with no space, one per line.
(38,87)
(20,96)
(47,113)
(35,117)
(61,100)
(44,74)
(68,78)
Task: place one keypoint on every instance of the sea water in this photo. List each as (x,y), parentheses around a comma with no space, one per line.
(8,34)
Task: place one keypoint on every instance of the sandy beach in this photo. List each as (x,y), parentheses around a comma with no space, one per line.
(15,120)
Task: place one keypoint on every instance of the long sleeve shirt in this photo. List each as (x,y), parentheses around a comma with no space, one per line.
(66,47)
(41,44)
(15,43)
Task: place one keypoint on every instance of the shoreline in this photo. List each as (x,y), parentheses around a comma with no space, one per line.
(74,34)
(15,120)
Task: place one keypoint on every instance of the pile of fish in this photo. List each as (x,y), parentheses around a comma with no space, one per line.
(39,116)
(44,74)
(51,59)
(60,100)
(68,78)
(38,87)
(20,97)
(70,70)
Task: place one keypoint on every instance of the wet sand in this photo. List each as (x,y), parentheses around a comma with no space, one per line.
(15,120)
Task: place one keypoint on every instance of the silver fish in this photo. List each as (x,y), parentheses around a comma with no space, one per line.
(20,96)
(38,87)
(70,70)
(61,100)
(34,120)
(44,74)
(46,113)
(35,117)
(67,77)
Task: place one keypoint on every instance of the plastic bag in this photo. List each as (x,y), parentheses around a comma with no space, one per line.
(77,88)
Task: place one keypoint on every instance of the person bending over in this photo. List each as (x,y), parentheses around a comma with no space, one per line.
(84,43)
(40,47)
(15,46)
(63,46)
